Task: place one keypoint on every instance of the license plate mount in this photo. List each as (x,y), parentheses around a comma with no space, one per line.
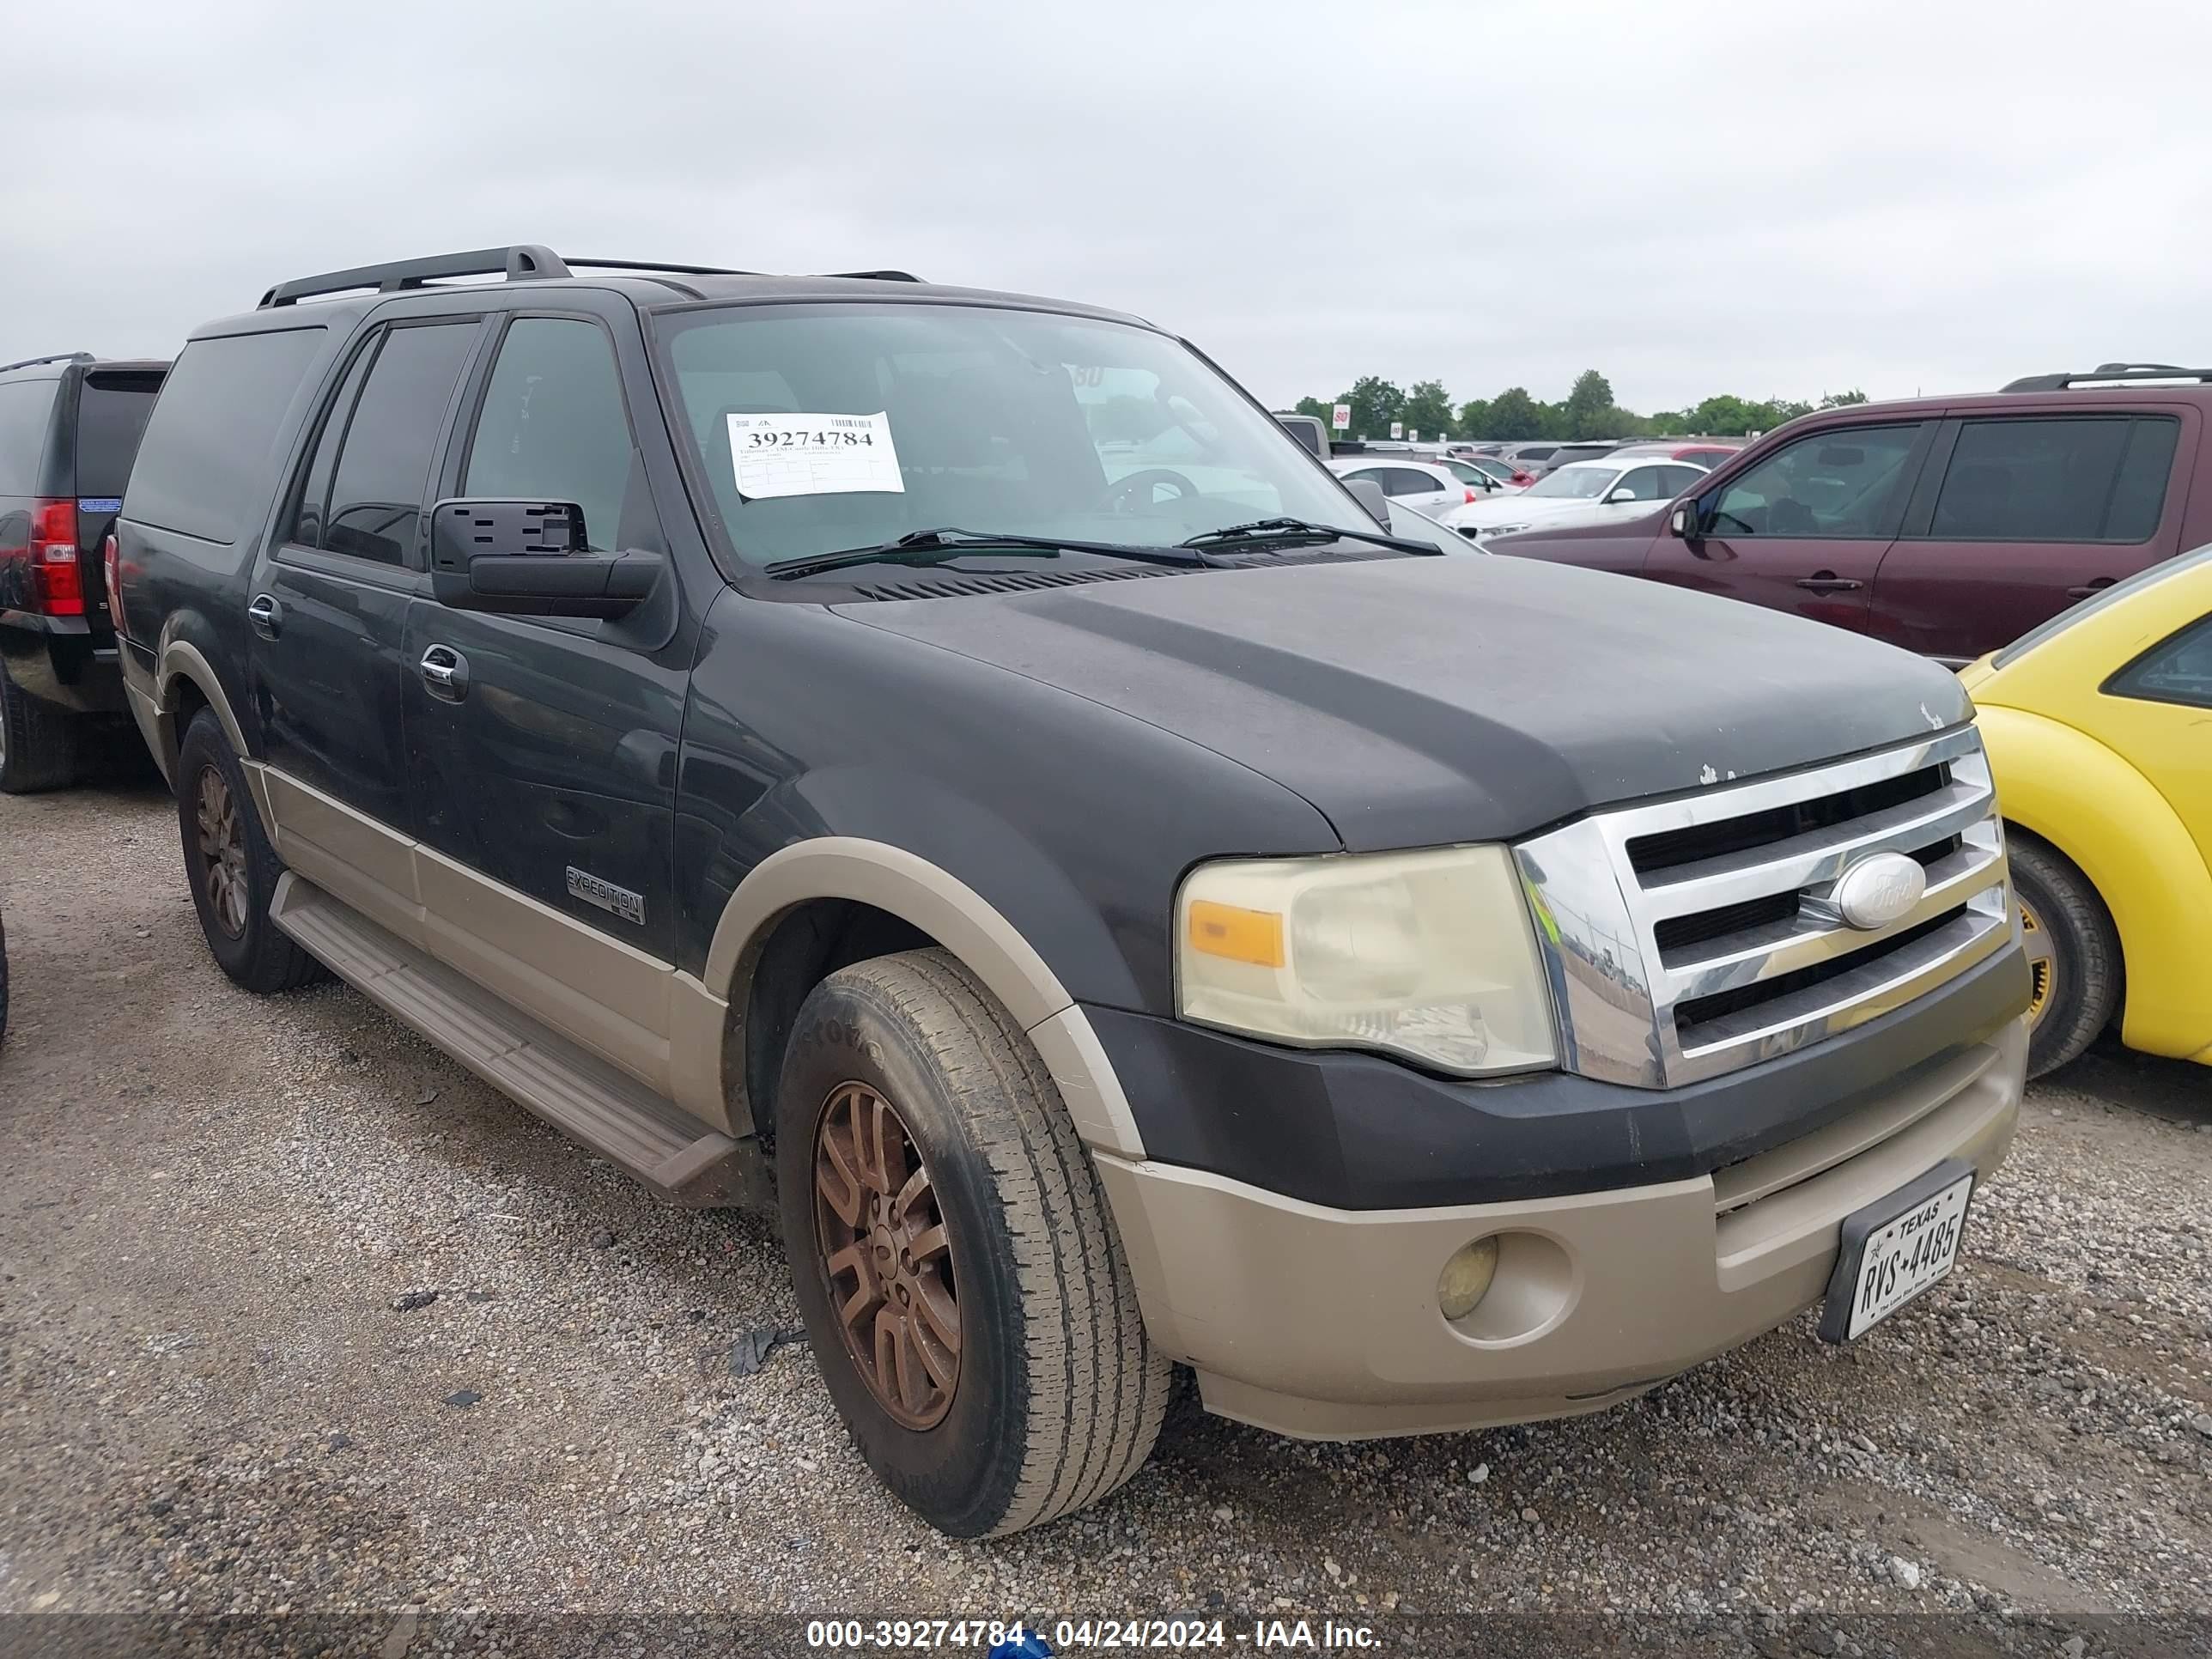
(1896,1249)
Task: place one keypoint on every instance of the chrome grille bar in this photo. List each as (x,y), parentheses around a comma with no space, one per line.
(1621,995)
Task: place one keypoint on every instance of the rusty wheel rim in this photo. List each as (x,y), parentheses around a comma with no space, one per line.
(887,1253)
(2042,964)
(222,853)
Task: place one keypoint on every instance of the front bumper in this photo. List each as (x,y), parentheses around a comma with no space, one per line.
(1322,1322)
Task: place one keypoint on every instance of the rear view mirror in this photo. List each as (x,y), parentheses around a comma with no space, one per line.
(1368,495)
(530,559)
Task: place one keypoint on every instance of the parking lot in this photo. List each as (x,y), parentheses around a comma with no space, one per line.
(225,1384)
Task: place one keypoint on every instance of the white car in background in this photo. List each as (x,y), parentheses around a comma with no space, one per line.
(1582,492)
(1432,487)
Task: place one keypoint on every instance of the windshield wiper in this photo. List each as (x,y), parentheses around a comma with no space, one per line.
(1303,529)
(936,546)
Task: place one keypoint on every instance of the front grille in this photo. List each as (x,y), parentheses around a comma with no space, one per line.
(1651,855)
(1715,920)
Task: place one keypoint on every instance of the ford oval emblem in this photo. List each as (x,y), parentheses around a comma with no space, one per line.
(1879,889)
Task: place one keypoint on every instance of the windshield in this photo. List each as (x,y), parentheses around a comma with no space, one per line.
(1582,484)
(827,428)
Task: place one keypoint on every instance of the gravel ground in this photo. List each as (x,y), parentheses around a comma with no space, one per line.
(296,1317)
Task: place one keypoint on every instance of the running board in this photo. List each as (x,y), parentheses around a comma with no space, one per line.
(616,1116)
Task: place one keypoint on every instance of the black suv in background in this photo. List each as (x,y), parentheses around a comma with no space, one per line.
(68,427)
(948,764)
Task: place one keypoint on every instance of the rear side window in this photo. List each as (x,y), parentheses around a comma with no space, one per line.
(206,448)
(2095,479)
(111,410)
(553,427)
(376,506)
(2177,670)
(26,415)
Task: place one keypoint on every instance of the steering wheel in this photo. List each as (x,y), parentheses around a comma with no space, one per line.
(1128,494)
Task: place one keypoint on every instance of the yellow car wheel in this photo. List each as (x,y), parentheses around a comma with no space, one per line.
(2073,954)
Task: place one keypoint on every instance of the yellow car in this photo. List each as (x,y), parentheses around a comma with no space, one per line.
(2098,725)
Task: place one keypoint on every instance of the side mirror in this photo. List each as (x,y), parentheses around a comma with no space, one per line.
(1368,495)
(528,559)
(1683,521)
(1623,494)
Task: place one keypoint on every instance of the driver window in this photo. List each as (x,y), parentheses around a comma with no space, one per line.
(1642,483)
(1843,484)
(553,427)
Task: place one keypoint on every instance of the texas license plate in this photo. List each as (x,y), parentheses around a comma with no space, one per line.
(1896,1248)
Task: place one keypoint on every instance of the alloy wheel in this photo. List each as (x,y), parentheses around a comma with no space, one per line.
(221,851)
(2042,964)
(886,1251)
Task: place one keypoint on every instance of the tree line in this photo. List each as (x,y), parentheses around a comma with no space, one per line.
(1587,411)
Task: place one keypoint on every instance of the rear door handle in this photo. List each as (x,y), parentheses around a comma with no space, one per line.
(1827,581)
(445,671)
(2087,588)
(266,616)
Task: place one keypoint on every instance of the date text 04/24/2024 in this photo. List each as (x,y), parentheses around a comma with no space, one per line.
(1013,1639)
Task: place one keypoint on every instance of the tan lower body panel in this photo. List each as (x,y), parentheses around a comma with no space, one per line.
(623,1006)
(1324,1324)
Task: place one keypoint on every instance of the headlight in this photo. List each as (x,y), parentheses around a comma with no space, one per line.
(1428,955)
(1488,531)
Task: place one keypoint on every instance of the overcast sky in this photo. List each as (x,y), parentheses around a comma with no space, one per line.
(1766,199)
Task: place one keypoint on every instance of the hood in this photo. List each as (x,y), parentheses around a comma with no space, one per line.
(1420,701)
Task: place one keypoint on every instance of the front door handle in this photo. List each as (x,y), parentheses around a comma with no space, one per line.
(1827,581)
(266,616)
(2087,588)
(445,671)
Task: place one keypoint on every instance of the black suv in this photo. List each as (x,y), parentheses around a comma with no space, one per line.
(68,427)
(949,764)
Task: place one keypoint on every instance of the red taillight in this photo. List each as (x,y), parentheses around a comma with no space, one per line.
(1470,492)
(56,587)
(108,556)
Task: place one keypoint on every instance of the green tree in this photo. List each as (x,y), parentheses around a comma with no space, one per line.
(1428,410)
(1730,417)
(1375,404)
(1314,406)
(1514,414)
(1474,418)
(1842,399)
(1588,411)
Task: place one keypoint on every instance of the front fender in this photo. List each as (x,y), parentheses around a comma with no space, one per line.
(2060,784)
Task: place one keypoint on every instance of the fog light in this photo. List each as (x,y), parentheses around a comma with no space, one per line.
(1465,1277)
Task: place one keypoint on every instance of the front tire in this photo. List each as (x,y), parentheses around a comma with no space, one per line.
(962,1282)
(231,866)
(2073,952)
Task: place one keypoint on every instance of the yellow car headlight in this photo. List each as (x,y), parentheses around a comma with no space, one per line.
(1428,955)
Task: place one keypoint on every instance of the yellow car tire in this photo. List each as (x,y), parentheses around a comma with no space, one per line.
(2073,950)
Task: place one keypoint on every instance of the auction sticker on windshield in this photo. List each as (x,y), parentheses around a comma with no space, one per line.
(813,454)
(1897,1248)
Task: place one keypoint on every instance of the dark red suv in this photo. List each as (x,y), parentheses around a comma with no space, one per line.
(1949,526)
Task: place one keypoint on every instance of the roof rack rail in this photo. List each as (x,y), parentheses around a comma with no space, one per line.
(2104,374)
(56,357)
(876,276)
(651,266)
(524,262)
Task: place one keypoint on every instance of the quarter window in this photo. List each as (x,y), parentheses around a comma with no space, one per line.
(2177,670)
(1843,484)
(207,455)
(2092,479)
(552,427)
(375,508)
